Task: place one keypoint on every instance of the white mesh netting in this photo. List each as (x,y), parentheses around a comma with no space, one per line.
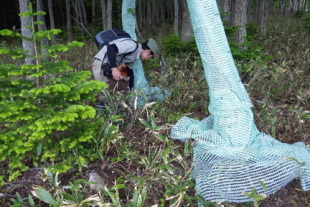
(231,155)
(146,93)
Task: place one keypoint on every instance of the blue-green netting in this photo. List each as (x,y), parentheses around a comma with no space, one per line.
(141,86)
(231,155)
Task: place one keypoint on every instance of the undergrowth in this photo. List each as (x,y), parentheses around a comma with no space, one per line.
(140,164)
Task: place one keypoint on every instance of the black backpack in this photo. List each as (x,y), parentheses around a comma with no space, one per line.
(106,36)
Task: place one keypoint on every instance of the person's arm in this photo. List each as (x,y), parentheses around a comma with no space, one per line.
(112,50)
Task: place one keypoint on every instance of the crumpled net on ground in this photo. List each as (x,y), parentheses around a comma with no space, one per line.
(145,93)
(231,155)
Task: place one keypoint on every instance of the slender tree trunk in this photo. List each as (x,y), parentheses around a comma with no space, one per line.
(308,6)
(109,14)
(285,8)
(41,27)
(119,12)
(149,14)
(248,19)
(162,13)
(84,14)
(187,29)
(262,15)
(154,6)
(176,18)
(140,17)
(52,22)
(79,18)
(26,32)
(69,27)
(93,14)
(227,9)
(104,14)
(239,17)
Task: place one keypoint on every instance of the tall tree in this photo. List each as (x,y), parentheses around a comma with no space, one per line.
(239,18)
(176,18)
(41,27)
(104,14)
(52,22)
(93,14)
(261,13)
(26,32)
(84,14)
(162,12)
(154,6)
(109,14)
(68,14)
(187,29)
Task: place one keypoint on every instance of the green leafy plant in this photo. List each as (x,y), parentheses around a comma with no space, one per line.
(45,117)
(19,202)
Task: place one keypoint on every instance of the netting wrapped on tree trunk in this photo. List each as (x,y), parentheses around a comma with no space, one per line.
(231,155)
(141,86)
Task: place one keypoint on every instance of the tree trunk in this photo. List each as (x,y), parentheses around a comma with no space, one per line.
(239,18)
(261,14)
(52,22)
(187,29)
(249,18)
(93,14)
(119,12)
(41,27)
(26,32)
(162,13)
(292,10)
(309,6)
(227,9)
(68,13)
(154,6)
(285,8)
(104,14)
(176,18)
(139,15)
(109,14)
(84,14)
(149,14)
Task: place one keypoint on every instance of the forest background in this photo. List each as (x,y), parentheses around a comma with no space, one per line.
(51,131)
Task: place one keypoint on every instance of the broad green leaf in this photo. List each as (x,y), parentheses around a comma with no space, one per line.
(260,197)
(44,196)
(39,148)
(262,184)
(30,199)
(145,123)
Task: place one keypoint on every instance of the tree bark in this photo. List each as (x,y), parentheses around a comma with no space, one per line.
(262,15)
(93,14)
(52,22)
(68,14)
(176,18)
(84,14)
(162,13)
(104,14)
(149,14)
(109,14)
(139,14)
(26,32)
(285,8)
(41,27)
(239,18)
(187,29)
(154,6)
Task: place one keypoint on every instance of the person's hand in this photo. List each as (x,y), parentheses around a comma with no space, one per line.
(116,74)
